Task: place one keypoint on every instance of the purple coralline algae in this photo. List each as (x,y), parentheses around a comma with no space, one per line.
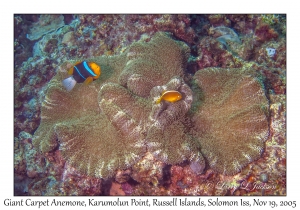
(233,96)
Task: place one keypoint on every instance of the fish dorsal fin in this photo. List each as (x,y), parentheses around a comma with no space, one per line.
(71,70)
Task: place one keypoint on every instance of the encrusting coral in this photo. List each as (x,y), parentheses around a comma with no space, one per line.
(225,34)
(231,122)
(114,121)
(46,24)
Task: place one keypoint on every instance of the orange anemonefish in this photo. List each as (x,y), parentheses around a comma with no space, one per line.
(169,95)
(82,72)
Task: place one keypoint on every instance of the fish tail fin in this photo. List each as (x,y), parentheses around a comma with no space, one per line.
(69,83)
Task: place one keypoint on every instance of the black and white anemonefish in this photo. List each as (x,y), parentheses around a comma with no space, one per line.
(170,96)
(82,72)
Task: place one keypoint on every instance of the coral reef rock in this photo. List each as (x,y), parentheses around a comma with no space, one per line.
(231,122)
(45,24)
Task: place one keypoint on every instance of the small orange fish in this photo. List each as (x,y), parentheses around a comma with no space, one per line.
(170,96)
(82,72)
